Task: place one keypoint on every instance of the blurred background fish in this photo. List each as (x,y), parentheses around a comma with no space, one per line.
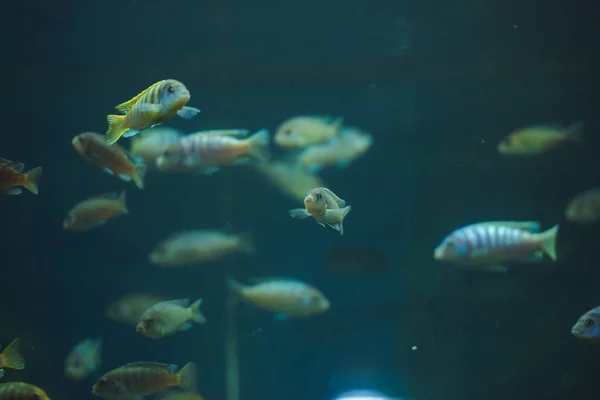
(95,211)
(539,139)
(129,308)
(302,131)
(153,142)
(584,208)
(83,359)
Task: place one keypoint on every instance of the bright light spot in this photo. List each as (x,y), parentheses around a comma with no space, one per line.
(414,348)
(362,395)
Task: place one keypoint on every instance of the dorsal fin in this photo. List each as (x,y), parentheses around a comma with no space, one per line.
(128,105)
(529,226)
(185,303)
(224,132)
(18,167)
(257,280)
(149,364)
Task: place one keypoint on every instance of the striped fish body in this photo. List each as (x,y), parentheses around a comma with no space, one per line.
(488,244)
(138,379)
(201,150)
(157,104)
(21,391)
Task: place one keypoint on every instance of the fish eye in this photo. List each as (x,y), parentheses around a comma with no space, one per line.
(319,196)
(588,322)
(171,89)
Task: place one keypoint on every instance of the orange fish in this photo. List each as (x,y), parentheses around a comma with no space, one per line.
(11,357)
(95,211)
(143,379)
(21,391)
(11,176)
(154,106)
(112,159)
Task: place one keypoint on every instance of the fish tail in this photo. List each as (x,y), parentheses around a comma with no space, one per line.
(11,357)
(187,377)
(122,199)
(258,146)
(548,239)
(140,174)
(246,243)
(197,315)
(32,179)
(115,128)
(575,132)
(344,211)
(235,291)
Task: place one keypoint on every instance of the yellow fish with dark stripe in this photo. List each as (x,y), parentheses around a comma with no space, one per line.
(154,106)
(21,391)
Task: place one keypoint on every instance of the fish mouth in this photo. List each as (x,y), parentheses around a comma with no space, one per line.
(140,328)
(438,253)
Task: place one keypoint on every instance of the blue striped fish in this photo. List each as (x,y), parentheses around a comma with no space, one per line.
(154,106)
(488,245)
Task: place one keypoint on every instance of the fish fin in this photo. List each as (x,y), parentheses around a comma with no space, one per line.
(495,268)
(197,315)
(187,377)
(32,179)
(124,177)
(128,105)
(548,239)
(246,243)
(299,213)
(108,171)
(188,112)
(122,198)
(235,291)
(342,212)
(130,132)
(115,128)
(322,224)
(185,326)
(266,279)
(226,132)
(140,174)
(18,167)
(14,192)
(536,257)
(280,317)
(191,160)
(12,357)
(338,227)
(575,132)
(169,367)
(179,302)
(529,226)
(258,146)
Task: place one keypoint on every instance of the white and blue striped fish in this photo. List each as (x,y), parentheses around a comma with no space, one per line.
(488,245)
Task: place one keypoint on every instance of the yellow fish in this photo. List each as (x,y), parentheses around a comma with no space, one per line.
(154,106)
(539,139)
(325,207)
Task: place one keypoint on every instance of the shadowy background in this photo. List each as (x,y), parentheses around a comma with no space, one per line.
(437,83)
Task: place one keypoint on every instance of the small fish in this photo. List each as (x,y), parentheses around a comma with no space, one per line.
(488,245)
(539,139)
(199,246)
(168,317)
(304,131)
(152,143)
(11,357)
(325,207)
(154,106)
(21,391)
(144,379)
(95,211)
(584,208)
(339,151)
(587,326)
(290,178)
(11,177)
(83,359)
(209,150)
(286,297)
(129,308)
(112,159)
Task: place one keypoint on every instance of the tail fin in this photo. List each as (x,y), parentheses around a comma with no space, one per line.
(122,199)
(11,357)
(235,291)
(187,377)
(140,174)
(258,146)
(115,128)
(245,243)
(575,132)
(197,315)
(33,179)
(548,239)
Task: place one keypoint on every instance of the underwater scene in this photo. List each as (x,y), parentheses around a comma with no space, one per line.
(359,200)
